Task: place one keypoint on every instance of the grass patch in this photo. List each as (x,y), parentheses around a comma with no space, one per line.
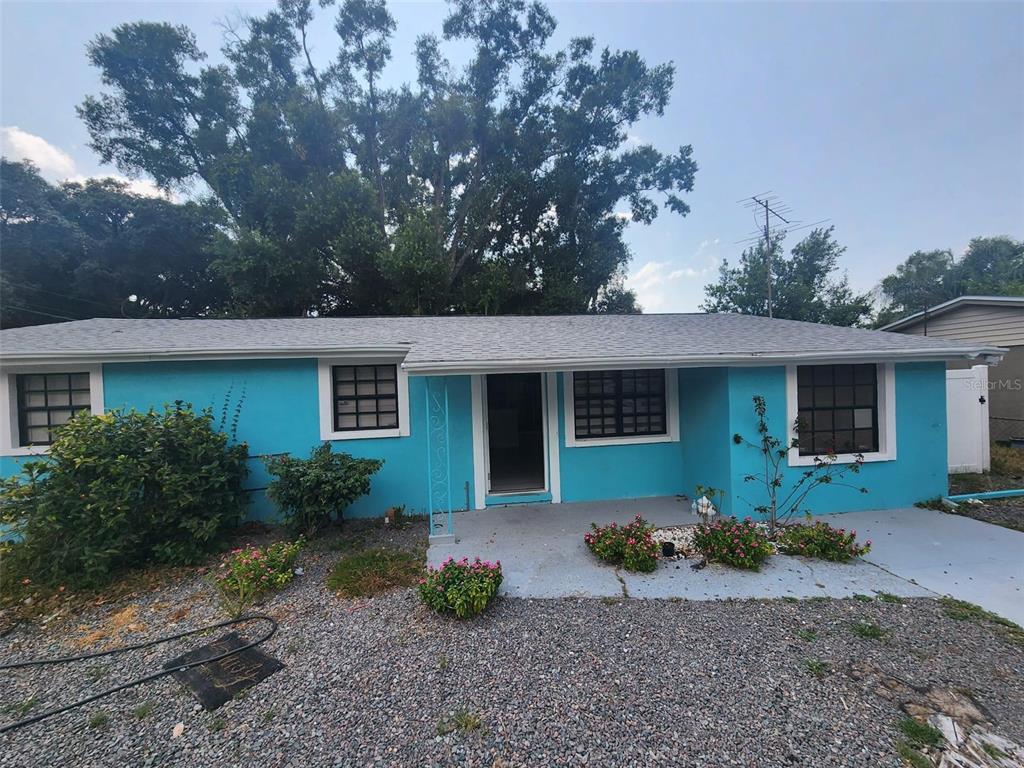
(98,719)
(143,710)
(863,598)
(961,610)
(912,757)
(790,599)
(463,721)
(218,724)
(935,504)
(1007,460)
(888,597)
(868,630)
(807,634)
(816,667)
(268,715)
(920,734)
(372,571)
(993,751)
(20,708)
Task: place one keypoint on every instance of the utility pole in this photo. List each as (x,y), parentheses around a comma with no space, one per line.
(775,226)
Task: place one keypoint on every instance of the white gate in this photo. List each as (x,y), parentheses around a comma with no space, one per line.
(967,419)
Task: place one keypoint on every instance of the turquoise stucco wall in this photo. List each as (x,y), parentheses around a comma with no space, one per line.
(280,414)
(917,473)
(617,471)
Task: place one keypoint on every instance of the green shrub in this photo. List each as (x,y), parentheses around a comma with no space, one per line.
(459,587)
(249,573)
(822,541)
(631,546)
(312,492)
(120,490)
(739,544)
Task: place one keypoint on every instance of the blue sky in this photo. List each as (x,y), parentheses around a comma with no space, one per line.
(902,123)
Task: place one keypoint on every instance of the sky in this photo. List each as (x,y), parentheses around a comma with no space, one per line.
(900,123)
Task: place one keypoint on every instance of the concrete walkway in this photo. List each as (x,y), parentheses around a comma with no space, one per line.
(947,554)
(542,553)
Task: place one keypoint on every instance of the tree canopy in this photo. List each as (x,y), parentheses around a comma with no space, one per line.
(491,188)
(81,250)
(992,266)
(804,284)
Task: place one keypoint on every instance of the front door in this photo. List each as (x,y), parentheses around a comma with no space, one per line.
(515,433)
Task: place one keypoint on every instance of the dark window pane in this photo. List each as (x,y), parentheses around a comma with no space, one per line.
(613,400)
(823,397)
(844,396)
(805,397)
(366,397)
(46,402)
(865,394)
(839,412)
(823,421)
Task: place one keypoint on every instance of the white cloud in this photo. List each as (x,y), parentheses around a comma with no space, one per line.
(665,286)
(56,165)
(53,162)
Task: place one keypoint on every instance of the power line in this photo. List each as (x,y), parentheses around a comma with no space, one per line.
(39,312)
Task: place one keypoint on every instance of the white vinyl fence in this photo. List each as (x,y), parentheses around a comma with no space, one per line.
(967,419)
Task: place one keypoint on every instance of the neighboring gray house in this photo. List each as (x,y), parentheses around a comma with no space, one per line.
(997,320)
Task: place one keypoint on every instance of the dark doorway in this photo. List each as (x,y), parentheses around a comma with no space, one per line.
(515,432)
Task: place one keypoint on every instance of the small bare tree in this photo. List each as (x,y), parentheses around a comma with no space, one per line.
(782,503)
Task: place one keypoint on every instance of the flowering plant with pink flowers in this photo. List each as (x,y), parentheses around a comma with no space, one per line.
(460,587)
(632,546)
(741,544)
(250,572)
(822,541)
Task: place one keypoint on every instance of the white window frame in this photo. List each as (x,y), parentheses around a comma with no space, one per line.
(886,378)
(671,416)
(325,395)
(10,437)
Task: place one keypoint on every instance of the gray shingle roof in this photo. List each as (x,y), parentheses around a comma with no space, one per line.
(485,343)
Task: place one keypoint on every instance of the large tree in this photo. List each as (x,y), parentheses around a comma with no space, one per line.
(989,266)
(95,249)
(805,285)
(495,187)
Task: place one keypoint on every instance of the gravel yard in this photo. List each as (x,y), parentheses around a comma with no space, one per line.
(531,682)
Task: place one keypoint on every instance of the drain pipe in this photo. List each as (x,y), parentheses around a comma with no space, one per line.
(1008,494)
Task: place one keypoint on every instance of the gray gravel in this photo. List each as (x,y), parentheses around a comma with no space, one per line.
(1008,513)
(553,682)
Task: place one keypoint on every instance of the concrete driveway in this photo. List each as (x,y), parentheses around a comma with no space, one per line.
(541,550)
(947,554)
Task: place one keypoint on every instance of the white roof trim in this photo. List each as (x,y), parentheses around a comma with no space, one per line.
(989,354)
(148,355)
(946,306)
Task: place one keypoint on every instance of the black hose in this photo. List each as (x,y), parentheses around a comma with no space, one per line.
(138,680)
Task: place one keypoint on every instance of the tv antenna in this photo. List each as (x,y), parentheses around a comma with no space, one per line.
(773,219)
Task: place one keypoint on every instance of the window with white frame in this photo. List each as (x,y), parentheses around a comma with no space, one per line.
(842,409)
(365,397)
(621,407)
(36,403)
(362,398)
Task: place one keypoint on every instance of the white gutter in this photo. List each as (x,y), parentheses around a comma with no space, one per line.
(988,354)
(149,355)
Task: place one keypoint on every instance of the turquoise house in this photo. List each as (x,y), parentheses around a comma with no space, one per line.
(471,412)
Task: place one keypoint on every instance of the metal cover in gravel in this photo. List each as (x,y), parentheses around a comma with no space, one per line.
(217,682)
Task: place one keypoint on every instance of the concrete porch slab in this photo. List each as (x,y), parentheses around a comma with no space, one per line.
(542,554)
